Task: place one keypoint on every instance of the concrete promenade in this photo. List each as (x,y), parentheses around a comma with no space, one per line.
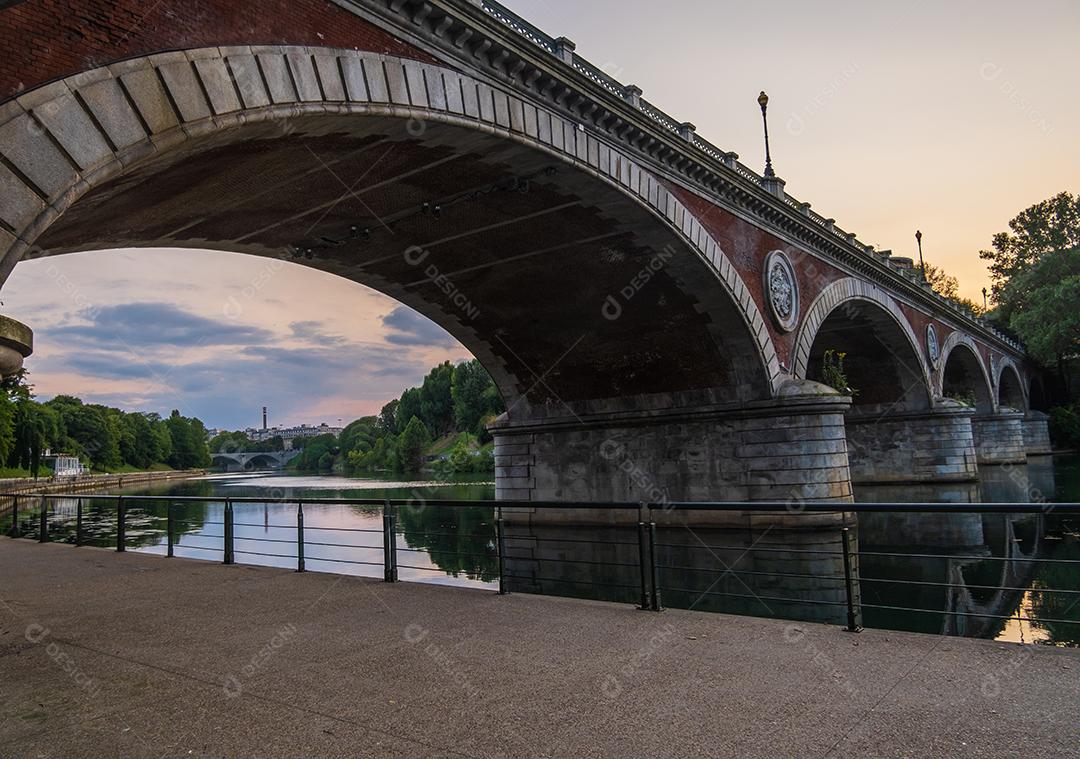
(105,654)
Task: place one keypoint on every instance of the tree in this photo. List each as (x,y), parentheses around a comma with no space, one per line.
(948,286)
(189,446)
(228,442)
(1048,227)
(474,396)
(436,401)
(1049,320)
(410,450)
(408,407)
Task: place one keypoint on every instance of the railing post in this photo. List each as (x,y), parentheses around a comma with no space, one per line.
(854,619)
(500,542)
(228,558)
(169,530)
(78,522)
(121,537)
(656,605)
(14,531)
(393,545)
(299,536)
(643,564)
(43,520)
(386,541)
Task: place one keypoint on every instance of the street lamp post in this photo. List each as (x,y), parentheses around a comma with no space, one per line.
(985,309)
(922,264)
(763,101)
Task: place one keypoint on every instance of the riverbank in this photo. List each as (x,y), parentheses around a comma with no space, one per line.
(137,655)
(92,482)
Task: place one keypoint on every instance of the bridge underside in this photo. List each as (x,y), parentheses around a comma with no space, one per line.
(516,255)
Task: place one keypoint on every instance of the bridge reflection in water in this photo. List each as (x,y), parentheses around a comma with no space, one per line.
(968,574)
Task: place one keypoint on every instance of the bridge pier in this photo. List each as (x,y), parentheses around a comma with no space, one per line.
(790,449)
(934,445)
(1037,434)
(999,438)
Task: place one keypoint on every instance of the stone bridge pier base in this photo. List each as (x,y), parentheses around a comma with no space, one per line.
(1037,434)
(791,449)
(926,446)
(999,438)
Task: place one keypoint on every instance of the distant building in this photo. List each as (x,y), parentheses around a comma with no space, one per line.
(289,434)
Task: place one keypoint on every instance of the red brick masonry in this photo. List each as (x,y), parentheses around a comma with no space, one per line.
(42,40)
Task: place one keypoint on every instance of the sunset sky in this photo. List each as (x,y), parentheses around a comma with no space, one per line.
(949,117)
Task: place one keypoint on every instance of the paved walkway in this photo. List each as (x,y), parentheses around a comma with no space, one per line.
(105,654)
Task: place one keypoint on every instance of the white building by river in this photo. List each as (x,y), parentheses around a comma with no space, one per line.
(63,464)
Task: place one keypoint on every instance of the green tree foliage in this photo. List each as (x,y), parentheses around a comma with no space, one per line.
(189,446)
(229,442)
(1035,269)
(103,437)
(1044,229)
(408,406)
(410,449)
(1047,318)
(475,398)
(317,453)
(436,400)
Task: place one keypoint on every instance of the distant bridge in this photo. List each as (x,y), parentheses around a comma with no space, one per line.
(249,462)
(656,315)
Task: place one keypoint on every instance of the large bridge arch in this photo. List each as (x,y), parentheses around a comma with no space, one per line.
(891,375)
(131,155)
(962,370)
(1009,386)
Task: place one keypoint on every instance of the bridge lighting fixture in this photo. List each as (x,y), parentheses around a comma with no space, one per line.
(922,263)
(763,101)
(984,300)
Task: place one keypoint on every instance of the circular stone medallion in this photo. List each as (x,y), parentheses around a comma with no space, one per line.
(933,348)
(782,290)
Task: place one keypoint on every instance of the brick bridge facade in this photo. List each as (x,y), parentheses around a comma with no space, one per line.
(657,316)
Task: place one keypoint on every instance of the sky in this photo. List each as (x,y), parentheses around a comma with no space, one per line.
(948,117)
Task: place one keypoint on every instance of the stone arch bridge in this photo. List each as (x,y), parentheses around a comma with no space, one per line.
(656,315)
(246,462)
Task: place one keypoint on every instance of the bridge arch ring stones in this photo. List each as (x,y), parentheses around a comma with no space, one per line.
(834,296)
(955,339)
(69,136)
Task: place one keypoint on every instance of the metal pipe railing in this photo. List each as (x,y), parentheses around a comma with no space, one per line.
(611,561)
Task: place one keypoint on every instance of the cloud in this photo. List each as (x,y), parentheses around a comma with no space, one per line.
(410,328)
(137,325)
(315,332)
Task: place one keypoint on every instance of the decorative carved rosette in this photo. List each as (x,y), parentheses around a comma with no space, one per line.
(782,290)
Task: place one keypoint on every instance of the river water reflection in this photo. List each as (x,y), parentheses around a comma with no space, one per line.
(966,574)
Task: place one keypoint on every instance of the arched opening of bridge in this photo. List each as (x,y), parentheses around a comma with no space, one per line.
(595,313)
(864,345)
(998,437)
(965,380)
(1011,390)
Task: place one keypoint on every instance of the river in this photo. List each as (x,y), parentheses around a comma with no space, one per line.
(950,568)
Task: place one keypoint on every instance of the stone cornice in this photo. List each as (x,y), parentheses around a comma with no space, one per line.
(483,37)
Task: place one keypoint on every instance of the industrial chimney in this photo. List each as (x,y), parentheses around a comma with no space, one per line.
(264,418)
